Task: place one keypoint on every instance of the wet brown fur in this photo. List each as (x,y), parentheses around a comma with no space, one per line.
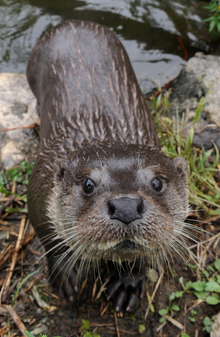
(95,124)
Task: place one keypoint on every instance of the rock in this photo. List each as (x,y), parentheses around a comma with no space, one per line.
(206,138)
(199,78)
(17,109)
(215,332)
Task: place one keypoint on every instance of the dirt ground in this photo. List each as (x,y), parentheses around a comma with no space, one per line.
(38,309)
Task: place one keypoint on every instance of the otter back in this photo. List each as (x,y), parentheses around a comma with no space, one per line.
(98,96)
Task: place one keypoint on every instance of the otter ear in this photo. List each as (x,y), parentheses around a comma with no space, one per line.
(181,167)
(59,171)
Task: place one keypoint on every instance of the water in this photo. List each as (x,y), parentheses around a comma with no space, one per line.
(147,28)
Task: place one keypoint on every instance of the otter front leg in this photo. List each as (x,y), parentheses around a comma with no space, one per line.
(63,280)
(126,290)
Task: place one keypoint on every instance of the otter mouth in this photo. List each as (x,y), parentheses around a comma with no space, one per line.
(126,250)
(126,245)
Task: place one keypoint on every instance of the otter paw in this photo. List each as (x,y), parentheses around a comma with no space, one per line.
(126,291)
(62,280)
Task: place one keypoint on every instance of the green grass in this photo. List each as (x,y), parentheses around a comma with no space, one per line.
(203,171)
(19,174)
(214,16)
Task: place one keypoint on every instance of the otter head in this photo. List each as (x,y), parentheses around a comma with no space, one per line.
(119,202)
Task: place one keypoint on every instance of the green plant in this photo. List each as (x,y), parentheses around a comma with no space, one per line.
(192,317)
(85,329)
(204,191)
(208,322)
(171,307)
(19,174)
(207,290)
(29,334)
(141,328)
(21,284)
(214,19)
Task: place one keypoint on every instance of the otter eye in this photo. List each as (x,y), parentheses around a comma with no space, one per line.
(157,184)
(88,186)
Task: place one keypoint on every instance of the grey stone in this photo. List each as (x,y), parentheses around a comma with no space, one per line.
(17,109)
(216,327)
(200,77)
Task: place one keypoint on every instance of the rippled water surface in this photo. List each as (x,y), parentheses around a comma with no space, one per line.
(148,29)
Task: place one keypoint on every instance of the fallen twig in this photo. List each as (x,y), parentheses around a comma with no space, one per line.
(32,126)
(15,318)
(82,288)
(116,324)
(154,293)
(101,289)
(6,204)
(7,282)
(174,322)
(104,310)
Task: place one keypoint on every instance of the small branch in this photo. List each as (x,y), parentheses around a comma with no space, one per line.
(104,310)
(116,324)
(15,318)
(32,126)
(174,322)
(2,208)
(7,282)
(82,288)
(154,293)
(101,290)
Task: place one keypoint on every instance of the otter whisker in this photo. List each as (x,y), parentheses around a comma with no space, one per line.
(163,255)
(68,263)
(191,227)
(60,244)
(54,234)
(187,235)
(181,249)
(77,252)
(43,223)
(55,237)
(198,221)
(91,260)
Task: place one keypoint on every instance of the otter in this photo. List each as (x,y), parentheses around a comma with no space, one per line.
(101,189)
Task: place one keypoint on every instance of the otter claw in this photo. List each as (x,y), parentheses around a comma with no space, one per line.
(126,292)
(133,303)
(121,298)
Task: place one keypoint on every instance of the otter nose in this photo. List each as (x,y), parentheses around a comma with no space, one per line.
(125,209)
